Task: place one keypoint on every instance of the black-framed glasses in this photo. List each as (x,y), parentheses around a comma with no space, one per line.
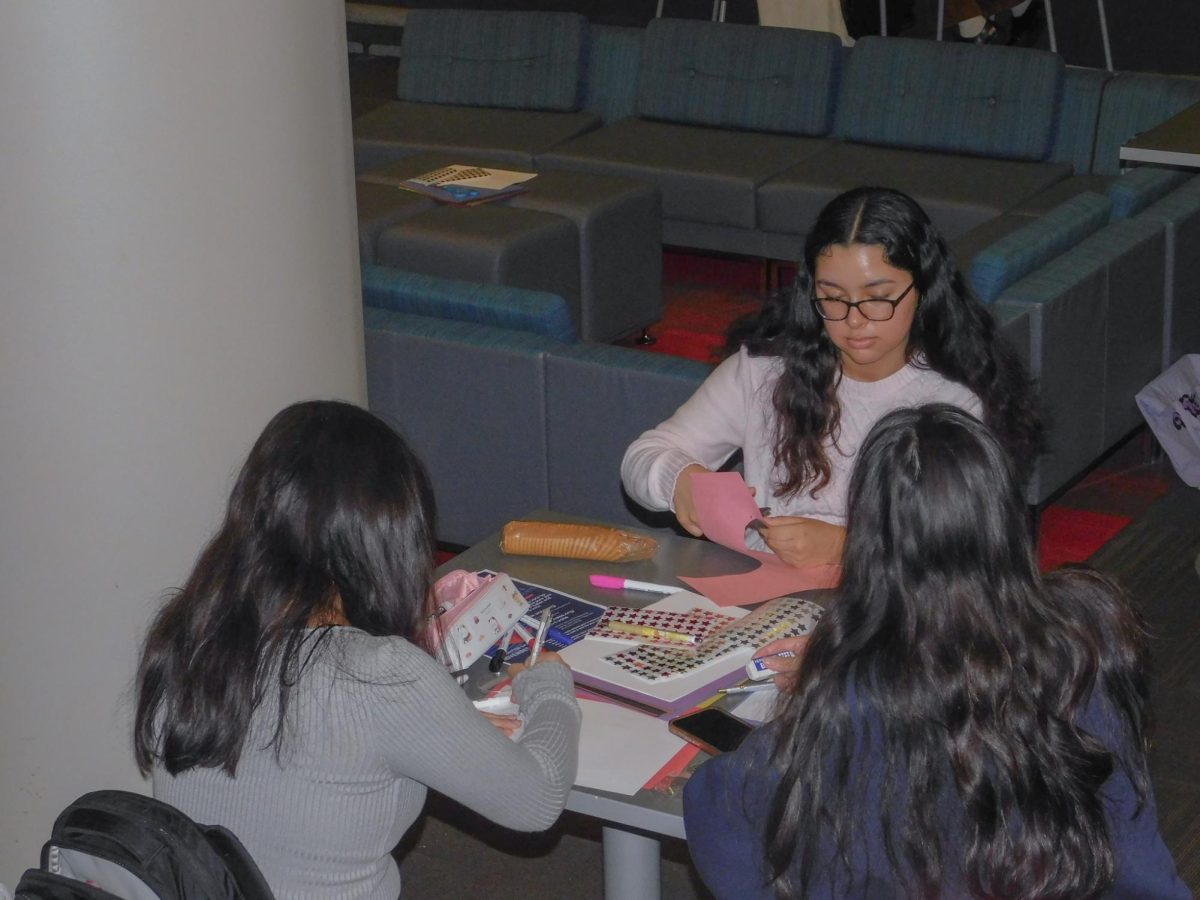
(877,309)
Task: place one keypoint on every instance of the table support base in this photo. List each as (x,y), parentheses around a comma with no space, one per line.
(632,865)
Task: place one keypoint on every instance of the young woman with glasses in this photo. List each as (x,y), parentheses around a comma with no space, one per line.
(879,318)
(960,726)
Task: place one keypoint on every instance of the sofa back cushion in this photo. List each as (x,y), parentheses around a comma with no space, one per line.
(611,80)
(1078,117)
(739,76)
(1133,103)
(470,400)
(1017,254)
(512,60)
(956,98)
(585,450)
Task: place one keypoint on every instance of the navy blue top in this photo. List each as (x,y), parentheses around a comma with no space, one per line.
(726,801)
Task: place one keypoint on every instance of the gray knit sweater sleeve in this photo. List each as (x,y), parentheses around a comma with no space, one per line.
(520,784)
(372,723)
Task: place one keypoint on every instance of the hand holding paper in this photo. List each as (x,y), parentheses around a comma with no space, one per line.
(685,506)
(798,541)
(725,508)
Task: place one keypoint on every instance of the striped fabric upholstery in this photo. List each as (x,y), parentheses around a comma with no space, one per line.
(1078,116)
(1138,188)
(1017,254)
(1179,213)
(494,305)
(739,76)
(385,321)
(959,98)
(662,364)
(614,55)
(624,392)
(1133,103)
(517,60)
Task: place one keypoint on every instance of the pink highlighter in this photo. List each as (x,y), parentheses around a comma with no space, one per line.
(616,583)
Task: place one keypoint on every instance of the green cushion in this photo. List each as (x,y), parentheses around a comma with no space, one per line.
(1138,188)
(495,305)
(1020,252)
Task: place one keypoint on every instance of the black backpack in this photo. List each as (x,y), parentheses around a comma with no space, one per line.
(115,845)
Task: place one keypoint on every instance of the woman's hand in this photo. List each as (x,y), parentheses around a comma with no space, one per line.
(506,725)
(546,656)
(685,506)
(804,542)
(786,666)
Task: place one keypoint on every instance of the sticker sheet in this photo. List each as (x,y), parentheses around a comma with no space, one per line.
(699,623)
(783,617)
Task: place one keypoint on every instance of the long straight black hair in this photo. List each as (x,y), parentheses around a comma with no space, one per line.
(952,330)
(331,512)
(949,651)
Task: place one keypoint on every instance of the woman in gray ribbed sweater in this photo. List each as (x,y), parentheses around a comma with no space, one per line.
(285,693)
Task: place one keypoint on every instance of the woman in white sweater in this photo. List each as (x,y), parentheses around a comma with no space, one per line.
(287,693)
(880,318)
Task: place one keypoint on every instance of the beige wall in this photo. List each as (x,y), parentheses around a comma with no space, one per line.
(177,262)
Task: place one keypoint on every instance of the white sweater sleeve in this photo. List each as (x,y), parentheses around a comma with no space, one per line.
(707,429)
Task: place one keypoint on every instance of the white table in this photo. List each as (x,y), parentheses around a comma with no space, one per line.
(1175,142)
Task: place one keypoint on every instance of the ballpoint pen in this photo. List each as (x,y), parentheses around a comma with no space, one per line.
(551,632)
(749,688)
(540,638)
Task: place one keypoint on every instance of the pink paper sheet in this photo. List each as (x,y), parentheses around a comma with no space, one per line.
(725,507)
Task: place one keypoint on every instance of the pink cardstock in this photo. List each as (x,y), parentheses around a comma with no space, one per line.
(725,507)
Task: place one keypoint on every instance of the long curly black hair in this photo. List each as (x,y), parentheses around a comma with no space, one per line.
(968,673)
(956,335)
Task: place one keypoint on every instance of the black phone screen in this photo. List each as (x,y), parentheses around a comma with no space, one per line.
(712,728)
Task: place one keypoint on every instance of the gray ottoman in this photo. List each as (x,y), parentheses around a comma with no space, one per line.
(492,244)
(618,222)
(379,207)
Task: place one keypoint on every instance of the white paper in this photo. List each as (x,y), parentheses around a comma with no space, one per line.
(757,707)
(473,176)
(619,749)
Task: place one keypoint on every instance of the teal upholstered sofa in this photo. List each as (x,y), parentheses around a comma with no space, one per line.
(508,412)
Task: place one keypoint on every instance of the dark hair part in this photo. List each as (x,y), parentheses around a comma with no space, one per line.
(954,331)
(331,507)
(948,650)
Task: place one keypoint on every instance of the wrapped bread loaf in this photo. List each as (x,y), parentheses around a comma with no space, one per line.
(570,541)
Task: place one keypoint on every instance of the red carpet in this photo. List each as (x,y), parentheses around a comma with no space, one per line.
(1072,535)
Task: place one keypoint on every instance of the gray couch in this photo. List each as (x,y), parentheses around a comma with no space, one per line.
(509,412)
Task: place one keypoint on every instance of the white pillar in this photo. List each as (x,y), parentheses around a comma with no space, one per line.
(177,262)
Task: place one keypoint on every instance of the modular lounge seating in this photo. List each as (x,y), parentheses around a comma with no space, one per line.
(509,411)
(990,140)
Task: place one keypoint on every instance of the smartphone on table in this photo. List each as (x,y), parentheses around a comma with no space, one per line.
(712,730)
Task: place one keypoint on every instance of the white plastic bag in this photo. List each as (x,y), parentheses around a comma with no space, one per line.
(1170,404)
